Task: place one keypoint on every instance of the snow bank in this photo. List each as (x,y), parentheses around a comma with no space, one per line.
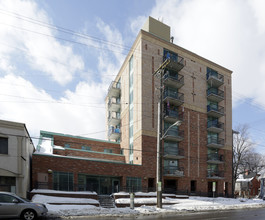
(193,203)
(62,192)
(53,199)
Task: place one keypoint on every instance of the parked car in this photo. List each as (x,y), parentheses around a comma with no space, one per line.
(13,206)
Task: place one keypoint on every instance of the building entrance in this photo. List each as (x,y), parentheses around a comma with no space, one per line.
(211,189)
(170,186)
(102,185)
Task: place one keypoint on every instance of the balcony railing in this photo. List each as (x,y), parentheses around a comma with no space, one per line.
(215,158)
(175,62)
(114,133)
(174,97)
(114,120)
(215,126)
(173,152)
(215,95)
(114,89)
(174,80)
(215,174)
(173,171)
(172,115)
(174,134)
(114,106)
(215,79)
(215,111)
(215,142)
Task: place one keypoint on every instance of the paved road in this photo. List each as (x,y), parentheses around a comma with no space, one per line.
(245,214)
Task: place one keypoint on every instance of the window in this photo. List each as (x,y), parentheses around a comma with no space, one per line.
(8,184)
(6,198)
(133,184)
(67,145)
(63,181)
(108,151)
(3,145)
(86,148)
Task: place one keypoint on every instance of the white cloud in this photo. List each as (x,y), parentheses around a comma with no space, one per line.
(137,24)
(230,33)
(41,52)
(76,113)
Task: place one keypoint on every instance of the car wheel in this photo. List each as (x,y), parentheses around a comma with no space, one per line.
(28,214)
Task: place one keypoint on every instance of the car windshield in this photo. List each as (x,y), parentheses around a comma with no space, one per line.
(24,199)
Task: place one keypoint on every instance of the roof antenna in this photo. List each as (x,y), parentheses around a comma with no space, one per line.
(172,39)
(160,19)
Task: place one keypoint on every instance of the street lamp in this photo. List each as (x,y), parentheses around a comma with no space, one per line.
(159,160)
(177,123)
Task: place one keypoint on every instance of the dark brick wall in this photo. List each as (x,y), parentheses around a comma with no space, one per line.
(194,163)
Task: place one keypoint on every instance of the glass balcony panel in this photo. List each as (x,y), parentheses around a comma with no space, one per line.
(215,158)
(214,78)
(173,97)
(114,133)
(173,80)
(114,105)
(215,111)
(114,120)
(173,171)
(215,126)
(174,61)
(215,142)
(114,89)
(172,115)
(215,95)
(173,152)
(174,134)
(215,174)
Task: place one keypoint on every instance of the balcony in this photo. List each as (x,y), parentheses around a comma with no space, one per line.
(173,97)
(114,89)
(114,133)
(114,120)
(215,111)
(173,80)
(173,171)
(172,116)
(214,126)
(215,79)
(114,106)
(215,158)
(214,142)
(175,62)
(215,174)
(173,153)
(173,134)
(215,95)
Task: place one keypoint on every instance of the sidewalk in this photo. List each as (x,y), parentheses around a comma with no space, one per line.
(194,204)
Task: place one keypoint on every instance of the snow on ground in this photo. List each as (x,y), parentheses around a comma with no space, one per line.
(179,205)
(62,192)
(53,199)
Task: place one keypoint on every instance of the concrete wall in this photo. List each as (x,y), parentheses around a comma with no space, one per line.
(17,162)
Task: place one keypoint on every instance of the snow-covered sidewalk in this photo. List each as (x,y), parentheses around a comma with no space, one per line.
(178,205)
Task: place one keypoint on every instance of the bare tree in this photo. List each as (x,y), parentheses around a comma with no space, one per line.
(242,148)
(254,162)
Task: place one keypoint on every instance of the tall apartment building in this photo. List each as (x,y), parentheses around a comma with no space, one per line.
(195,92)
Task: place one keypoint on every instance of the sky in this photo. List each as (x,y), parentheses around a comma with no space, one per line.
(57,57)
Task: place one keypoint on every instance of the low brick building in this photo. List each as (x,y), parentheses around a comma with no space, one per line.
(74,163)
